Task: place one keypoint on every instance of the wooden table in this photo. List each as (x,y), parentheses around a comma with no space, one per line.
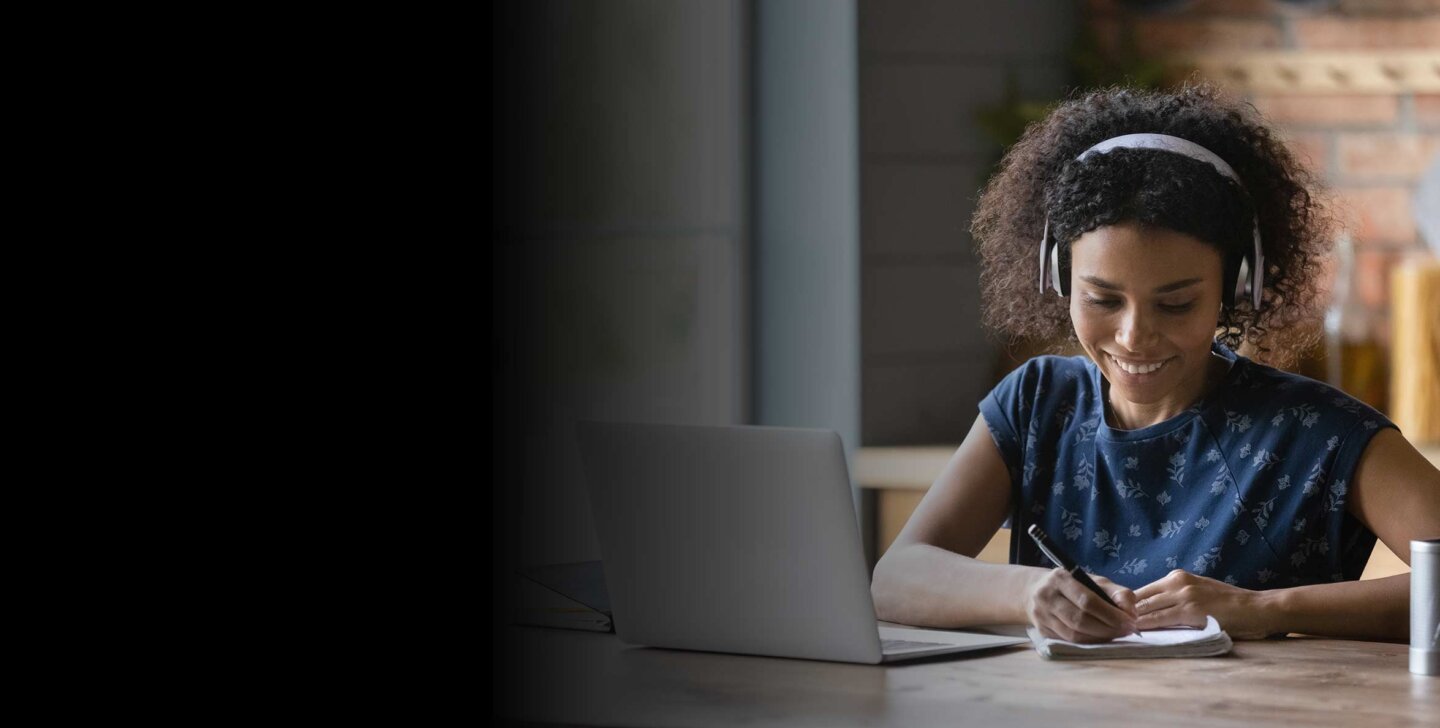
(579,678)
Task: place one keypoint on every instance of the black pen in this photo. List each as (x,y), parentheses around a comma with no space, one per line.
(1053,552)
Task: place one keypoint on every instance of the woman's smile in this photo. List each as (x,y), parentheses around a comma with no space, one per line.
(1137,372)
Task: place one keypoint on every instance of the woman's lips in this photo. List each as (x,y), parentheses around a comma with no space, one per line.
(1119,365)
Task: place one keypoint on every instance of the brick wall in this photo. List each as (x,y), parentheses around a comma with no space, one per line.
(1370,146)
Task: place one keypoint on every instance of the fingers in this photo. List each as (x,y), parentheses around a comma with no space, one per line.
(1062,607)
(1123,597)
(1092,604)
(1066,620)
(1126,601)
(1184,615)
(1070,611)
(1162,600)
(1173,601)
(1149,590)
(1174,579)
(1076,626)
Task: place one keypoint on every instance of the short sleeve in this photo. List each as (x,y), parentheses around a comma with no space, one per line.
(1352,539)
(1007,411)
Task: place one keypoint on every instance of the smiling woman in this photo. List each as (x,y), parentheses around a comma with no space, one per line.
(1164,230)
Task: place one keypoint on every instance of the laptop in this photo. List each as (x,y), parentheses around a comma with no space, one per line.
(740,539)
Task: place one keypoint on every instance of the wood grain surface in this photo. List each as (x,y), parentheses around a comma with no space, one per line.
(569,677)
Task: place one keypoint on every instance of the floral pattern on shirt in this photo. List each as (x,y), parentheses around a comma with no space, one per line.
(1249,485)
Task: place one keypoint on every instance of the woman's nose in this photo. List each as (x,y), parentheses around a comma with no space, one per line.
(1136,331)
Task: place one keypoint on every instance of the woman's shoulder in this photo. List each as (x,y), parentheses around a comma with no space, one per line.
(1279,399)
(1041,387)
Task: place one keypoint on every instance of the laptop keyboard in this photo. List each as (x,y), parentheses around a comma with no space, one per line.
(899,645)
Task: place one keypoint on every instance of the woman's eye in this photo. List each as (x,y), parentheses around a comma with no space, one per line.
(1167,307)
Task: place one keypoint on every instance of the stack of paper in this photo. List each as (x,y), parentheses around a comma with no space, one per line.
(1173,642)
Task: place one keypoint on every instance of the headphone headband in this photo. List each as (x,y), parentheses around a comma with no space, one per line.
(1167,143)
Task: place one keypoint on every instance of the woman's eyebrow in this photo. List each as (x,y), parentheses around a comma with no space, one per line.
(1102,283)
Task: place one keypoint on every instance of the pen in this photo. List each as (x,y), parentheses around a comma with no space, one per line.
(1053,552)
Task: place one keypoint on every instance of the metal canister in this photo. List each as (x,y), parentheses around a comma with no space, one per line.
(1425,607)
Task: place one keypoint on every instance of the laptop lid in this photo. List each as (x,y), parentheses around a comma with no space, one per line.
(738,539)
(741,539)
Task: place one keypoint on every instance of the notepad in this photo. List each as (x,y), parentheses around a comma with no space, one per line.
(1173,642)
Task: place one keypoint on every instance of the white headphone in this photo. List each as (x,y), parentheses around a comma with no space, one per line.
(1250,279)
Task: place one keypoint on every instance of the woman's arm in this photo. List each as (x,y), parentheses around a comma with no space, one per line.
(1374,609)
(929,576)
(926,586)
(1395,492)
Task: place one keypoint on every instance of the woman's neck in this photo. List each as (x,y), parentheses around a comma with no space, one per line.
(1131,416)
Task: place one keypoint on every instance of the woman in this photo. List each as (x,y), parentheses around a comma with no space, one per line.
(1160,232)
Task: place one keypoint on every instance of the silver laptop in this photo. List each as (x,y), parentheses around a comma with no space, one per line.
(740,539)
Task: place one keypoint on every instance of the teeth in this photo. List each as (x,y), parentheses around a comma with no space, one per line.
(1137,370)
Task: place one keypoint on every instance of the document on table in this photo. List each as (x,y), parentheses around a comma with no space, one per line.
(1173,642)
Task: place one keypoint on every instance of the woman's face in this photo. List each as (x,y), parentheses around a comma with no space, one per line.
(1142,296)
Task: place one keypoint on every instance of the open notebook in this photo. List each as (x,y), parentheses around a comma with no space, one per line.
(1173,642)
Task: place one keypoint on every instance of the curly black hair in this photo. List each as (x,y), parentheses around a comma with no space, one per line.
(1040,173)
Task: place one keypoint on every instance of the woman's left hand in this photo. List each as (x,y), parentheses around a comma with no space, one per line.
(1182,599)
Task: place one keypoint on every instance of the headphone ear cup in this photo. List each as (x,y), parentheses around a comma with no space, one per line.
(1044,281)
(1051,277)
(1229,273)
(1055,276)
(1257,271)
(1242,280)
(1248,273)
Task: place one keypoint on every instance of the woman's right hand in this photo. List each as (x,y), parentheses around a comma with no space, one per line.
(1062,608)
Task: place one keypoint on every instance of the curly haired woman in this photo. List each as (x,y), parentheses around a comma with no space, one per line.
(1160,232)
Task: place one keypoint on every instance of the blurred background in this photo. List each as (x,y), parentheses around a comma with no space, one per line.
(754,212)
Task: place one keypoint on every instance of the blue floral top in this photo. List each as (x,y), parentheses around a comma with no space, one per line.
(1247,486)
